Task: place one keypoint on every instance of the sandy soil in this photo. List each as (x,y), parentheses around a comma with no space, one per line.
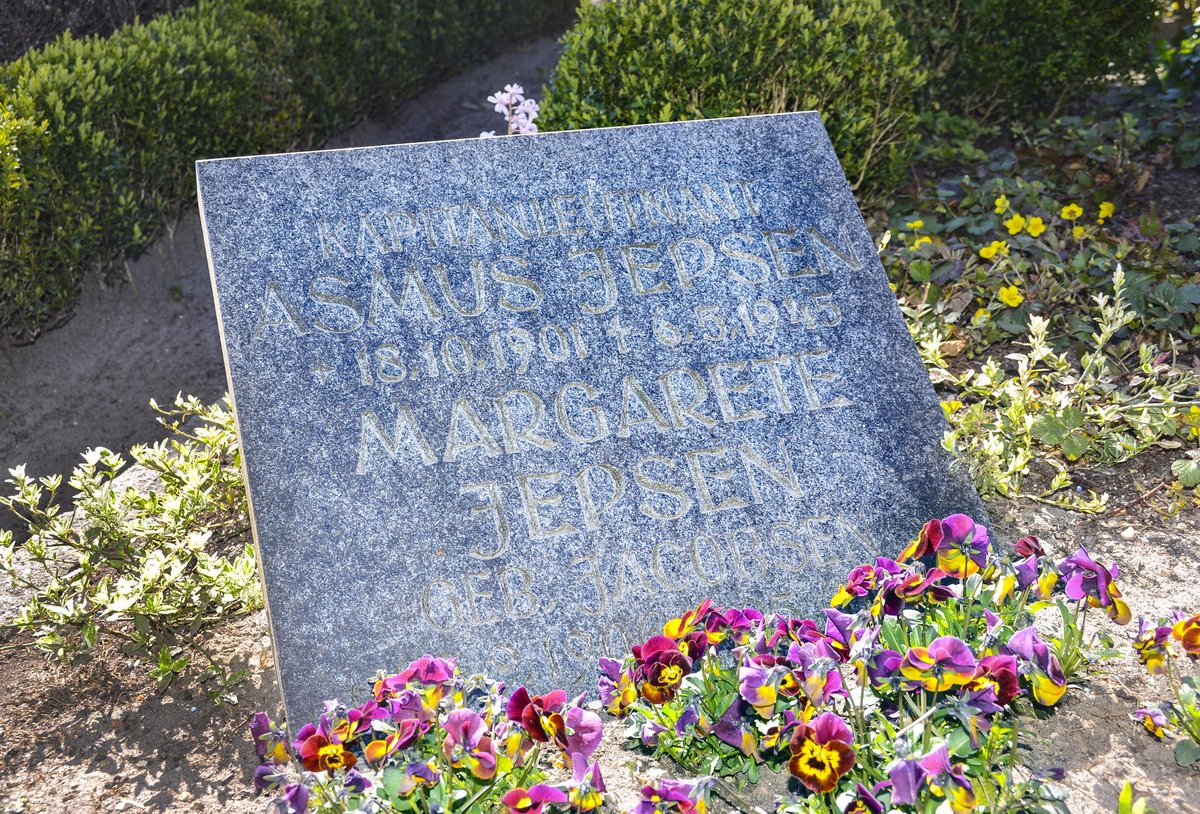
(154,333)
(100,738)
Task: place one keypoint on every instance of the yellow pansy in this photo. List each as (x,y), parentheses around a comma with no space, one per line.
(1001,205)
(1078,232)
(919,224)
(1036,226)
(981,315)
(1193,418)
(1011,296)
(1071,212)
(921,241)
(1107,210)
(996,247)
(1015,224)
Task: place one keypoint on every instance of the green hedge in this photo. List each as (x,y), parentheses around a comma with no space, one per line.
(98,136)
(660,60)
(1023,58)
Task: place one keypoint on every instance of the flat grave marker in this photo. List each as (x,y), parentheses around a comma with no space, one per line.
(521,400)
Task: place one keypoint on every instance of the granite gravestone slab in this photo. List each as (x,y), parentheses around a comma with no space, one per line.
(521,400)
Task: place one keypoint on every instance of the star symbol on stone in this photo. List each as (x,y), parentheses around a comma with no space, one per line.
(321,370)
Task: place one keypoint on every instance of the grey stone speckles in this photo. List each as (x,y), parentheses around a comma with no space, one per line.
(521,400)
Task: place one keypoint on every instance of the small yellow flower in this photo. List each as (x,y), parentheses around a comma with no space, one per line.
(1036,227)
(1193,419)
(1071,212)
(1078,232)
(916,225)
(1015,224)
(996,247)
(921,241)
(893,287)
(1107,210)
(951,407)
(981,315)
(1011,296)
(1001,205)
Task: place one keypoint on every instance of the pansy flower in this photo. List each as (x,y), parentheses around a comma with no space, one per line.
(318,753)
(587,791)
(863,579)
(883,668)
(864,801)
(406,733)
(418,775)
(1000,673)
(358,720)
(818,668)
(910,588)
(907,777)
(673,797)
(821,752)
(618,691)
(1029,546)
(582,734)
(531,801)
(927,542)
(1087,579)
(294,799)
(1039,666)
(468,744)
(963,550)
(1033,578)
(270,741)
(1187,632)
(540,715)
(1151,646)
(729,728)
(947,662)
(780,729)
(739,623)
(355,782)
(1155,721)
(945,780)
(268,776)
(758,682)
(664,666)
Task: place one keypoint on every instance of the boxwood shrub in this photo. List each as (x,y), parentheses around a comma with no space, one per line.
(98,135)
(1018,58)
(664,60)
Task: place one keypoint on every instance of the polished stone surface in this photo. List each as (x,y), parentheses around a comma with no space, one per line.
(521,400)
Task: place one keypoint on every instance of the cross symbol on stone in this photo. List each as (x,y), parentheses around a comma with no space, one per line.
(321,370)
(618,332)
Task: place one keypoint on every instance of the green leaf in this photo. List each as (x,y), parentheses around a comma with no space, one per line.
(1187,470)
(1187,752)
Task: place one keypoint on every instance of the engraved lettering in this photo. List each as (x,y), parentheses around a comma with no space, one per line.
(701,477)
(532,502)
(406,436)
(491,491)
(683,503)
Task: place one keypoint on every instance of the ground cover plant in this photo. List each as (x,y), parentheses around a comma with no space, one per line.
(1056,312)
(149,570)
